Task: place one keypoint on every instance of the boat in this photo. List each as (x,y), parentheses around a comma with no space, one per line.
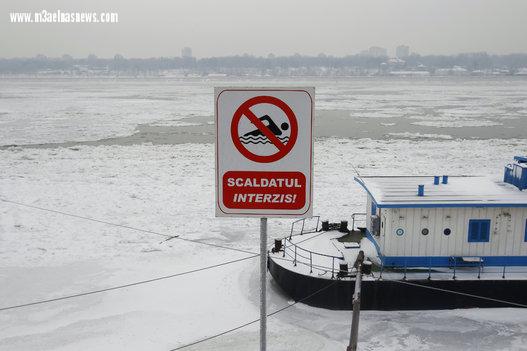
(429,242)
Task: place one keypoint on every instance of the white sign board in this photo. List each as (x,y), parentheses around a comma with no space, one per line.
(264,151)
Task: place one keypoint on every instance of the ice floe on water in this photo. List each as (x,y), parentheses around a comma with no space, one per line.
(456,123)
(34,111)
(60,110)
(408,135)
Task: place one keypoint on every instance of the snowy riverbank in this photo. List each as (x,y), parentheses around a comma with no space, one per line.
(169,189)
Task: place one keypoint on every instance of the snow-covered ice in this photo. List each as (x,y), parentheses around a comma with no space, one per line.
(169,189)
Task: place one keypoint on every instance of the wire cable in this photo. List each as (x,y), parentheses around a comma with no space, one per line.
(124,285)
(169,237)
(253,321)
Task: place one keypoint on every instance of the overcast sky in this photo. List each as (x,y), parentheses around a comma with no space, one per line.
(283,27)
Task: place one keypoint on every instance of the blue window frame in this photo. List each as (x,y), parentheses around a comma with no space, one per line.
(525,237)
(479,230)
(373,208)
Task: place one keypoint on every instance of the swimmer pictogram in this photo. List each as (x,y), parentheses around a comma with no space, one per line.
(266,131)
(258,137)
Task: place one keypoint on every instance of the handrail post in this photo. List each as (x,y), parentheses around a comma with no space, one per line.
(503,275)
(303,223)
(318,221)
(310,262)
(479,269)
(285,241)
(430,269)
(333,268)
(295,257)
(382,267)
(454,277)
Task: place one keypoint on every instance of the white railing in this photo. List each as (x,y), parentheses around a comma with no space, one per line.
(303,229)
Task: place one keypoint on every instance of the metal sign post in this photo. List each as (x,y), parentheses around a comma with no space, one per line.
(354,334)
(264,160)
(263,283)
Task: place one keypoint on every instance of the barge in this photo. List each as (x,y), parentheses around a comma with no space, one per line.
(433,242)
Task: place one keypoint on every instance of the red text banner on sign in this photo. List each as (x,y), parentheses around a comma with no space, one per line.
(264,190)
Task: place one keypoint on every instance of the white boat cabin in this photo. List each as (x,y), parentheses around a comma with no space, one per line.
(441,221)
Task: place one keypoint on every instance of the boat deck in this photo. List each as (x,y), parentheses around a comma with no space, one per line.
(320,254)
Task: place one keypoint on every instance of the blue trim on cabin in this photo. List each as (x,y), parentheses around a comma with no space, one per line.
(448,261)
(449,205)
(358,180)
(441,205)
(478,230)
(375,243)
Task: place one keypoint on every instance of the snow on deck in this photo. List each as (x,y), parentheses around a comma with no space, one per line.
(460,190)
(327,253)
(320,253)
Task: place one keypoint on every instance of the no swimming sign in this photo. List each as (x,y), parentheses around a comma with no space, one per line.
(264,151)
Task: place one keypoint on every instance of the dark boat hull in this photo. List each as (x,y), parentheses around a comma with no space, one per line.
(394,295)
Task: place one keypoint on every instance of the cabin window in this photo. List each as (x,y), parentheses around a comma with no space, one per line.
(478,230)
(447,231)
(425,231)
(373,208)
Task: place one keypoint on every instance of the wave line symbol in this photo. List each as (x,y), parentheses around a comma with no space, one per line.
(261,139)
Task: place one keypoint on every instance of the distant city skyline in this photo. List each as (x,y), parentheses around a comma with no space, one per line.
(370,62)
(399,51)
(233,27)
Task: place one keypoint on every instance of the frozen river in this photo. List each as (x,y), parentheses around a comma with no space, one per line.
(137,153)
(171,111)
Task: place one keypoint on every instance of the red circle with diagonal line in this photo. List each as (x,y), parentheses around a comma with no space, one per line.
(245,110)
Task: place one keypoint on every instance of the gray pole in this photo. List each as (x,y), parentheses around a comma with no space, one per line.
(263,283)
(354,335)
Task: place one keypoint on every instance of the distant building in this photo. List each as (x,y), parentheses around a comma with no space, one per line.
(186,52)
(394,64)
(402,51)
(375,51)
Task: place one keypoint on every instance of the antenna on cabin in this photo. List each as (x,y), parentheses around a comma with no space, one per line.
(355,169)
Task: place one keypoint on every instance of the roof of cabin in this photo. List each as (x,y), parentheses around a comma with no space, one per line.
(461,191)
